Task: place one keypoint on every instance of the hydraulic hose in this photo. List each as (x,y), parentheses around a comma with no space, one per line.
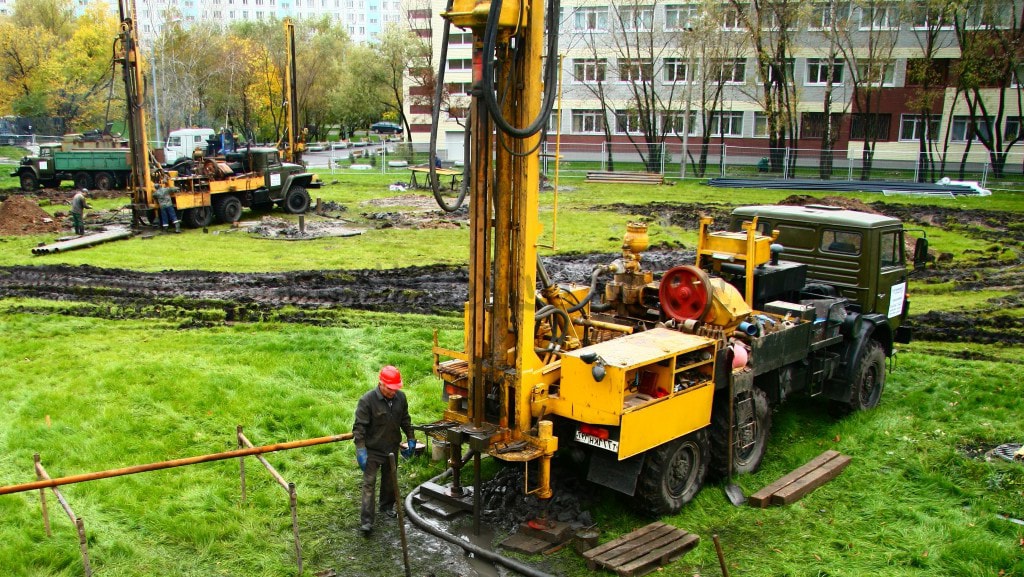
(476,550)
(550,73)
(593,288)
(435,116)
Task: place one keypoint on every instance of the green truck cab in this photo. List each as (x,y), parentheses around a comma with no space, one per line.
(100,168)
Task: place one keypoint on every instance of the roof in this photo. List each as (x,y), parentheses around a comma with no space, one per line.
(819,214)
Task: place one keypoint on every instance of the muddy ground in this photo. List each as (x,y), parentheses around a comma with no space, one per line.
(200,298)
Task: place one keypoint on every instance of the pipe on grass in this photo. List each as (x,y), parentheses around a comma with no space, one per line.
(476,550)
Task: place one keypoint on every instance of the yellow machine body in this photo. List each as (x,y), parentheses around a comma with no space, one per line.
(657,386)
(473,13)
(747,248)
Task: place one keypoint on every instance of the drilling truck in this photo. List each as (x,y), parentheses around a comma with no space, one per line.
(641,383)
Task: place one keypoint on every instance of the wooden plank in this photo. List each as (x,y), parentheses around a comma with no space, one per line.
(811,481)
(636,547)
(524,544)
(590,554)
(761,498)
(642,549)
(659,557)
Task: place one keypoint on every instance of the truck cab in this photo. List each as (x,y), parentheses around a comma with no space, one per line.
(854,255)
(180,143)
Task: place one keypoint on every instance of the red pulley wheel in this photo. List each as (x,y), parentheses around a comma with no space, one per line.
(685,293)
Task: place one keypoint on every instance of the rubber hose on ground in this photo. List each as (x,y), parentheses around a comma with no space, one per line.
(480,552)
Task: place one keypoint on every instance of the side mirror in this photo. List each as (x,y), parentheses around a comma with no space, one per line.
(921,253)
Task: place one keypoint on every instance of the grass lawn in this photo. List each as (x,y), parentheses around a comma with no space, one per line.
(90,394)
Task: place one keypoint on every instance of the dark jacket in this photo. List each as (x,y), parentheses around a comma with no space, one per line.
(380,422)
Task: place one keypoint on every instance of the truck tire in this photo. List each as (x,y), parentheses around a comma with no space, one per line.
(29,182)
(105,181)
(673,474)
(753,423)
(868,379)
(197,217)
(83,180)
(228,209)
(51,183)
(296,201)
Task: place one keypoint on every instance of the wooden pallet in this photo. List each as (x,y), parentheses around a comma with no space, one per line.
(641,551)
(801,481)
(626,177)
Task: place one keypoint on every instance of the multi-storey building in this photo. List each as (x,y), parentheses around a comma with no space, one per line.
(363,19)
(865,55)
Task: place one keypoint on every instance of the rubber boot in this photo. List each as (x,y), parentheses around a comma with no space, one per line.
(177,227)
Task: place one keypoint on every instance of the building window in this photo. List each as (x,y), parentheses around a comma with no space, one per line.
(870,127)
(727,124)
(460,64)
(880,17)
(464,38)
(672,123)
(912,127)
(636,18)
(876,73)
(627,122)
(589,69)
(635,70)
(760,125)
(553,127)
(787,69)
(1012,129)
(591,18)
(964,129)
(584,121)
(817,71)
(731,18)
(676,70)
(680,16)
(989,15)
(812,124)
(731,71)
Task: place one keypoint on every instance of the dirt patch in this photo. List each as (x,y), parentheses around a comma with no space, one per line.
(315,227)
(408,202)
(20,215)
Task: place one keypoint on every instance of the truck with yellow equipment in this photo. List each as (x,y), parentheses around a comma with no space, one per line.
(212,187)
(649,383)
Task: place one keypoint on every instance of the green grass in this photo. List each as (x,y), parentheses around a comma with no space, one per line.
(91,394)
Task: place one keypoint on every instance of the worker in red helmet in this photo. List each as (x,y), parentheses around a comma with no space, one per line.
(381,416)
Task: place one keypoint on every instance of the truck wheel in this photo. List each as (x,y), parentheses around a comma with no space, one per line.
(105,181)
(753,423)
(29,182)
(868,379)
(296,201)
(83,180)
(197,217)
(51,183)
(228,209)
(673,474)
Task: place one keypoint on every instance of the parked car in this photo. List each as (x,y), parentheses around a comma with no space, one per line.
(385,128)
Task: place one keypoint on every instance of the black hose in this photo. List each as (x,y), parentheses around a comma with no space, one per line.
(593,289)
(550,73)
(476,550)
(435,116)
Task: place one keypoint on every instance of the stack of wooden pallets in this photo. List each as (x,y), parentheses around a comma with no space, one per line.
(626,177)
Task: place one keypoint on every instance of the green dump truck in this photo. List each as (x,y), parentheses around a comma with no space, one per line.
(98,168)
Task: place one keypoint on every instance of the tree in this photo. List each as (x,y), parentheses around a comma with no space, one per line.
(867,49)
(992,48)
(831,17)
(928,74)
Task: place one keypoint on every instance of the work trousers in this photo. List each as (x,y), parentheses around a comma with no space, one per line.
(78,222)
(167,216)
(377,461)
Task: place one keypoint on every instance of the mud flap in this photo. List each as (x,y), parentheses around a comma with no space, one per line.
(608,471)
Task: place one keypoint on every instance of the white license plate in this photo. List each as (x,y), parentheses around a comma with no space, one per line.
(606,444)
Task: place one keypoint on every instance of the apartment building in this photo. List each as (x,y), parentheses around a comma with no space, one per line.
(863,54)
(363,19)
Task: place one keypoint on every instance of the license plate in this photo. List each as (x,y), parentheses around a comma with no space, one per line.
(606,444)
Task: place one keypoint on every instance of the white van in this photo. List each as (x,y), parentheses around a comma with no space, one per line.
(181,142)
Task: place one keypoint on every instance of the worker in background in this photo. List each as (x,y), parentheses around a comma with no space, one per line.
(78,206)
(167,213)
(382,414)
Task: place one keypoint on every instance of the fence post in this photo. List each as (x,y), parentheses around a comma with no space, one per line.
(42,499)
(785,164)
(917,168)
(295,524)
(664,154)
(241,460)
(725,160)
(604,157)
(984,175)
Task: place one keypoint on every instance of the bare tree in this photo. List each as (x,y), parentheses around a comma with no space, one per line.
(587,27)
(867,44)
(931,20)
(992,47)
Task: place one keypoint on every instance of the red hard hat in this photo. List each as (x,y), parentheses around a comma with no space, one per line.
(391,378)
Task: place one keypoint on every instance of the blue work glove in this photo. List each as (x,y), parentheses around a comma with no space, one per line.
(411,450)
(361,457)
